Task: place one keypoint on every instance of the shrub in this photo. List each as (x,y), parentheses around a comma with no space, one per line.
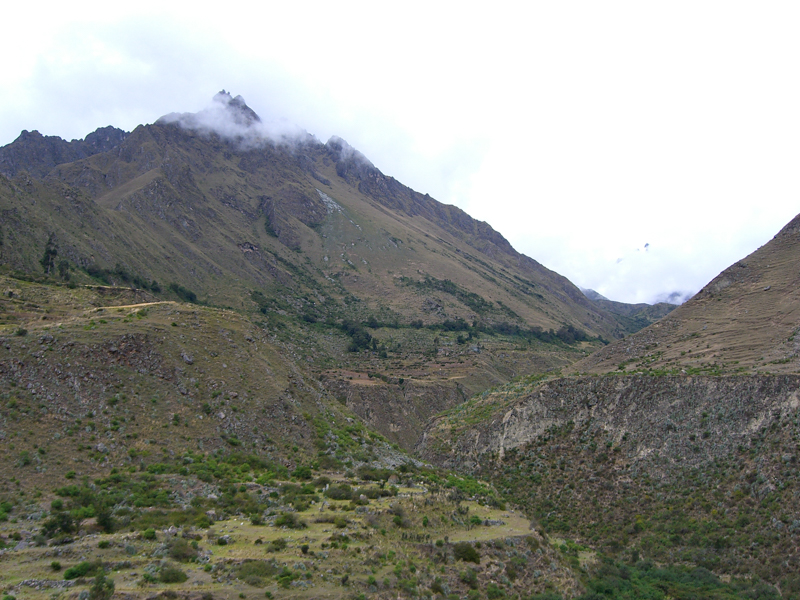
(55,565)
(180,550)
(83,569)
(149,534)
(276,545)
(183,293)
(437,587)
(290,520)
(105,519)
(470,577)
(340,492)
(302,472)
(171,574)
(466,552)
(286,577)
(60,522)
(494,591)
(254,572)
(321,482)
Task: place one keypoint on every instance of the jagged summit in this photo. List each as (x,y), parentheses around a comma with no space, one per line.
(231,119)
(592,294)
(237,108)
(38,154)
(349,161)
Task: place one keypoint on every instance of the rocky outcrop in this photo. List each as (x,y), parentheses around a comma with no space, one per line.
(686,420)
(398,411)
(39,154)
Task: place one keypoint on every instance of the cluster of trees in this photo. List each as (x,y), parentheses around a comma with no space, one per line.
(474,301)
(119,275)
(360,338)
(183,293)
(567,334)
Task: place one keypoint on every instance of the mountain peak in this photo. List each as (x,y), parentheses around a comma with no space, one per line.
(230,118)
(237,108)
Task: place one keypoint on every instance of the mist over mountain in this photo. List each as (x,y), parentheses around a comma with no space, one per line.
(231,119)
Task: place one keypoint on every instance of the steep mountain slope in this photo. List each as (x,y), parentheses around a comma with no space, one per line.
(698,470)
(113,371)
(217,215)
(213,317)
(744,320)
(212,465)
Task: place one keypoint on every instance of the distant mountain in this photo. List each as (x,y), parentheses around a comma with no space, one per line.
(631,317)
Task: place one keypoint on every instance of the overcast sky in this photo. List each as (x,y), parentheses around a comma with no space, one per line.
(638,148)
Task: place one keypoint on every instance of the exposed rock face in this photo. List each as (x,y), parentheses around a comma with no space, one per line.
(399,412)
(700,468)
(660,415)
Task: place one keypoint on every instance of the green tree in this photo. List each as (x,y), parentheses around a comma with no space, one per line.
(102,588)
(105,520)
(63,270)
(61,521)
(50,252)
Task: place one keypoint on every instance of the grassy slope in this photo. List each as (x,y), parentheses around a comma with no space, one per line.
(347,552)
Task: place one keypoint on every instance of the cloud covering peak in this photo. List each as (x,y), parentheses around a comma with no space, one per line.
(231,119)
